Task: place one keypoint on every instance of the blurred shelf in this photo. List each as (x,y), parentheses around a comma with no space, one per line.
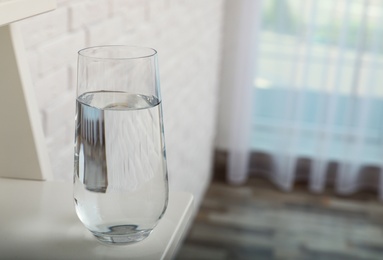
(14,10)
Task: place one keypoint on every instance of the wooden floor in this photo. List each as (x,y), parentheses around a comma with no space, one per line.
(257,221)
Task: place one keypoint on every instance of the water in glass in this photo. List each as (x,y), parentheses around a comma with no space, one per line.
(120,165)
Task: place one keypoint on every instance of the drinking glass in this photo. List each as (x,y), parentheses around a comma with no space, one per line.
(120,172)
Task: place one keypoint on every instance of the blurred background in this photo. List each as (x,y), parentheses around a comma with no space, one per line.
(273,115)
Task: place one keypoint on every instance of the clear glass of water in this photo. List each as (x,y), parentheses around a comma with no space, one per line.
(120,172)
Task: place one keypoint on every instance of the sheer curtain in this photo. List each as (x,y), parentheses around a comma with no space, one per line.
(306,84)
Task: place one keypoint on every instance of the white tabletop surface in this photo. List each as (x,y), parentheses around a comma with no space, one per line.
(38,221)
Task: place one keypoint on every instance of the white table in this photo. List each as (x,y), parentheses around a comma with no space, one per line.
(38,221)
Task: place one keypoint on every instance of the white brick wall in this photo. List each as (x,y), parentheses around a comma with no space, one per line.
(187,35)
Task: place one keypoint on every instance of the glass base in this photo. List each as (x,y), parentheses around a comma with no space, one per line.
(122,235)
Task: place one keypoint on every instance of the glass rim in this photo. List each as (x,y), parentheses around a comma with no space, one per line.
(84,52)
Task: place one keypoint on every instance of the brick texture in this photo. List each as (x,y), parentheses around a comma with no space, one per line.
(187,36)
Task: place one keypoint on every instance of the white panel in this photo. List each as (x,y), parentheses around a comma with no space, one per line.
(22,145)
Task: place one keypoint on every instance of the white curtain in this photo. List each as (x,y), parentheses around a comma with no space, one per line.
(308,84)
(242,68)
